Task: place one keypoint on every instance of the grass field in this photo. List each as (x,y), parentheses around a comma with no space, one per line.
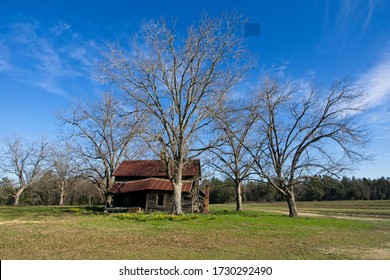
(325,230)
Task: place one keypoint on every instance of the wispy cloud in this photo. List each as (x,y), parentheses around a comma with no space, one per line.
(60,28)
(370,11)
(376,82)
(345,23)
(45,56)
(5,65)
(51,85)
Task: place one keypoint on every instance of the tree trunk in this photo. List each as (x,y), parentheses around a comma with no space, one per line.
(108,202)
(62,193)
(238,196)
(18,194)
(61,200)
(16,202)
(177,188)
(292,207)
(109,183)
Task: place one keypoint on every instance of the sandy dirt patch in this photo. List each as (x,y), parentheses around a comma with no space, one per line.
(15,222)
(310,214)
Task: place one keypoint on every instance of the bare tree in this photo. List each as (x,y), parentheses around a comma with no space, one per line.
(102,134)
(65,168)
(25,161)
(179,82)
(307,132)
(234,124)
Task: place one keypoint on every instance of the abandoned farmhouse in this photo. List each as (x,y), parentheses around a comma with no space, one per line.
(143,185)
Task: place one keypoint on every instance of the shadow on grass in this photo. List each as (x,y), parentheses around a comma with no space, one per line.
(240,213)
(98,209)
(85,210)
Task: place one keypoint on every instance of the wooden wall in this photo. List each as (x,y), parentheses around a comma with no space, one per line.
(151,202)
(193,202)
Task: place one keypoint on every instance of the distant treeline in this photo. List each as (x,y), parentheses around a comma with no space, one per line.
(45,191)
(312,189)
(80,191)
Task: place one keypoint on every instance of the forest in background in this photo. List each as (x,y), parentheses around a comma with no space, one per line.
(312,189)
(83,192)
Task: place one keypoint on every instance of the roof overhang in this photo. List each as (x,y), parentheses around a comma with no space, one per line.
(147,184)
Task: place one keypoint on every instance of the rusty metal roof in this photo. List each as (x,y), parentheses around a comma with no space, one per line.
(147,184)
(153,168)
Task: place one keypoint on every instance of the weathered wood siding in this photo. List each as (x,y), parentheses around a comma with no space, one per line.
(152,205)
(186,203)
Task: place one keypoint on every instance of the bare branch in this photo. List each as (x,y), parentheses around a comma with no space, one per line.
(25,161)
(178,83)
(299,130)
(102,134)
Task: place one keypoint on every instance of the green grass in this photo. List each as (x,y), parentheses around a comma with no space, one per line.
(258,232)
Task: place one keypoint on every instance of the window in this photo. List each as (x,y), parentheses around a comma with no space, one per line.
(160,199)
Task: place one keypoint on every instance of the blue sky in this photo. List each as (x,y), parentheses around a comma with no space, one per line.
(49,51)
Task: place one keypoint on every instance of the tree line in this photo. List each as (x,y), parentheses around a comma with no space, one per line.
(321,188)
(174,97)
(45,191)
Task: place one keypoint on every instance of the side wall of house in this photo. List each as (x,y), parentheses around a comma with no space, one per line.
(195,197)
(153,204)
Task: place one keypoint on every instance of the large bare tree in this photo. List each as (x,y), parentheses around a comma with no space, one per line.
(25,161)
(304,132)
(234,125)
(102,133)
(179,81)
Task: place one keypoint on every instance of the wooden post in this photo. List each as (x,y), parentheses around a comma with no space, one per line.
(206,199)
(147,202)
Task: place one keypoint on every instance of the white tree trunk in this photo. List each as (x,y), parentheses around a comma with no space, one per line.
(18,194)
(177,196)
(62,194)
(238,196)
